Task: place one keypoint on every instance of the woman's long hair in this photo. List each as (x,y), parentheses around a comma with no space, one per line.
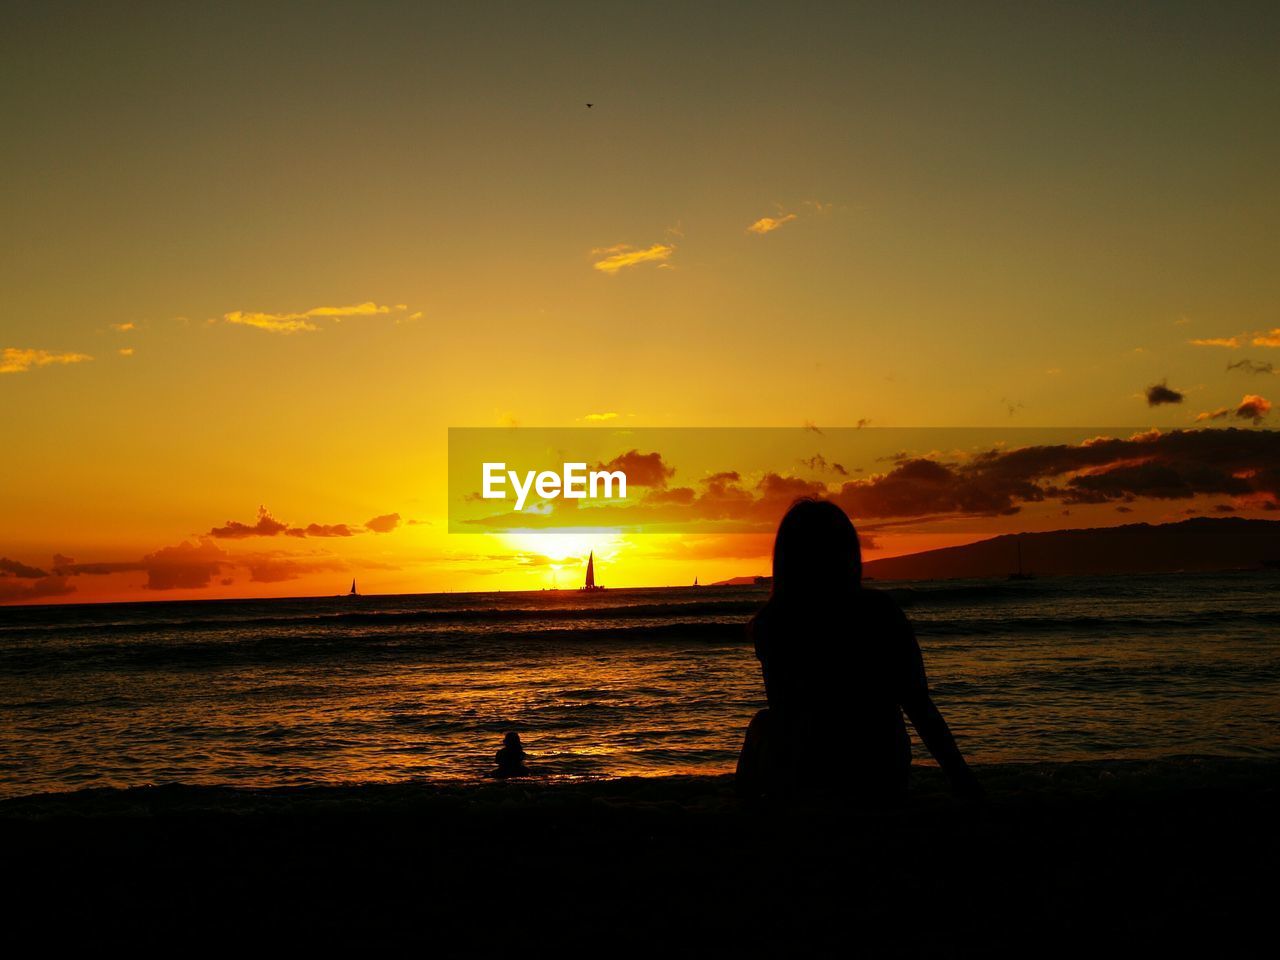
(816,556)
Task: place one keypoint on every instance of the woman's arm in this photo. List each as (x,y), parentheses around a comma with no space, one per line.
(925,716)
(935,733)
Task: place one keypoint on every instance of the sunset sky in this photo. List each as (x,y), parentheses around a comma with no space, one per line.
(266,258)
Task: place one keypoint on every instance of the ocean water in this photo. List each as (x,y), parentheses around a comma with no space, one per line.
(623,682)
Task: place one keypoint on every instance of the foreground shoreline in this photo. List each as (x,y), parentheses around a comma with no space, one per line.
(1005,783)
(1123,855)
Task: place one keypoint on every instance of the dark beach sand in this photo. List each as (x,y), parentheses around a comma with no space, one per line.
(1092,858)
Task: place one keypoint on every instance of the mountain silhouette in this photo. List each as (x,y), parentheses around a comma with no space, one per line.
(1201,543)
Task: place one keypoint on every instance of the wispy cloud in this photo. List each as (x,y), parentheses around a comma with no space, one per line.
(186,566)
(1252,366)
(1229,342)
(124,327)
(20,360)
(1271,339)
(600,416)
(268,526)
(125,351)
(769,224)
(299,322)
(622,255)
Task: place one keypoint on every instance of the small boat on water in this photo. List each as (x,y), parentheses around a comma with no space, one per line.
(590,586)
(352,592)
(1020,574)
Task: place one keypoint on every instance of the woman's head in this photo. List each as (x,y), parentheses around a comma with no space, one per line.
(512,739)
(816,552)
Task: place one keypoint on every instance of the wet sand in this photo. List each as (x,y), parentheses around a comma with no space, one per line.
(1100,858)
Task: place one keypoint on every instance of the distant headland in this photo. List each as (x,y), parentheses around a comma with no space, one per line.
(1197,544)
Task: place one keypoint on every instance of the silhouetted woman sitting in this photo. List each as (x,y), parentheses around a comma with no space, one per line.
(511,758)
(841,664)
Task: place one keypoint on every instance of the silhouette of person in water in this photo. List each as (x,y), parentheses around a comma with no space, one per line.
(841,665)
(511,758)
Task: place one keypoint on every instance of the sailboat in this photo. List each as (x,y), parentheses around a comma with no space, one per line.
(590,585)
(353,592)
(1020,575)
(695,581)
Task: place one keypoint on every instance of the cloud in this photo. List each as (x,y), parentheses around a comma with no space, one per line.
(267,526)
(769,224)
(680,495)
(1271,339)
(22,588)
(124,327)
(1174,465)
(296,322)
(600,416)
(776,488)
(1253,407)
(922,486)
(1229,342)
(321,530)
(1242,464)
(277,568)
(383,524)
(20,360)
(820,464)
(1161,392)
(642,469)
(190,566)
(623,255)
(15,568)
(125,351)
(186,566)
(1246,365)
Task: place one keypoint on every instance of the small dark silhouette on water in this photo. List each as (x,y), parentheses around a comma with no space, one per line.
(590,586)
(841,665)
(1020,574)
(511,758)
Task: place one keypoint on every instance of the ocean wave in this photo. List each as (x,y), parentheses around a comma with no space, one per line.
(1101,626)
(394,618)
(196,650)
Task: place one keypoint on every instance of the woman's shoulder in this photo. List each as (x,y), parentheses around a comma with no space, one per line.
(881,605)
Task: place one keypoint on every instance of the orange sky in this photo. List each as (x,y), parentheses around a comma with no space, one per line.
(266,259)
